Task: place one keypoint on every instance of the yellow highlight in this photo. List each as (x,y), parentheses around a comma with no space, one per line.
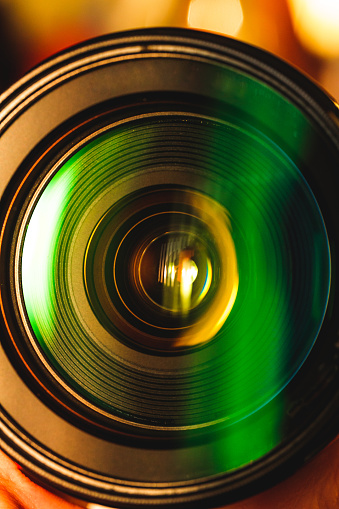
(221,16)
(219,224)
(316,23)
(188,274)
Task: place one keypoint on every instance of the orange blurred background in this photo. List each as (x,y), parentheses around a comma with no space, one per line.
(303,32)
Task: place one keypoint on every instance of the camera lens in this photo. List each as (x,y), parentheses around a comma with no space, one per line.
(168,270)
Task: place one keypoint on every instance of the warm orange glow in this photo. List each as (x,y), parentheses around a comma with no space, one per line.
(129,14)
(42,18)
(222,16)
(316,23)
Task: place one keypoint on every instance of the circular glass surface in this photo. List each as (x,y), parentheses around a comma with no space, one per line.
(175,274)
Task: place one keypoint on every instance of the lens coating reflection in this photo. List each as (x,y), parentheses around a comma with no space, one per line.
(281,252)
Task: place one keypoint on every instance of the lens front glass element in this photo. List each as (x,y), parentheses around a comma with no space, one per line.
(175,274)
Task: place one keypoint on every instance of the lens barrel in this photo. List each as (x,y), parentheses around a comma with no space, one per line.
(169,283)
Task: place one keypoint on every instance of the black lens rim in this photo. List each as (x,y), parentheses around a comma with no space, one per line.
(18,105)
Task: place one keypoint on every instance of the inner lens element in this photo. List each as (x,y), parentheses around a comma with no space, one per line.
(184,273)
(161,268)
(163,229)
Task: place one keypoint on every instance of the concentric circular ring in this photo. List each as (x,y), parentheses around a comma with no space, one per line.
(140,248)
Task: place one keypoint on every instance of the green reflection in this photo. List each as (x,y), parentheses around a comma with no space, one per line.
(39,257)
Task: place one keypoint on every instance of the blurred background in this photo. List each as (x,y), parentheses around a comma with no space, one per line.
(303,32)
